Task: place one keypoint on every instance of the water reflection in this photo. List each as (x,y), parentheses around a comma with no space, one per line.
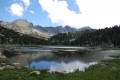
(61,62)
(70,67)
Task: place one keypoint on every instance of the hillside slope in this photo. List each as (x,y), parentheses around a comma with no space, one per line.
(8,36)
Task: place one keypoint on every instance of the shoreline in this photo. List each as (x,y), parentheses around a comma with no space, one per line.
(106,69)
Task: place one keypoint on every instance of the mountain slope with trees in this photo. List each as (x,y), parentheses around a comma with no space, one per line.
(8,36)
(108,37)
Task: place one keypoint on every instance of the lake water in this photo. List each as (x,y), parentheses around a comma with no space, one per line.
(60,58)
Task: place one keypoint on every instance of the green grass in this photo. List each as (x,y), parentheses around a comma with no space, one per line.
(105,70)
(4,62)
(115,56)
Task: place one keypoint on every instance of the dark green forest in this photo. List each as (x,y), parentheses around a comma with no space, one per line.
(108,37)
(8,36)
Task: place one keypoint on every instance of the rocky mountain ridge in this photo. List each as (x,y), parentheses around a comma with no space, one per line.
(55,30)
(25,27)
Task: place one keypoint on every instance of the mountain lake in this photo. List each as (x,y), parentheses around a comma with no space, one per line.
(63,59)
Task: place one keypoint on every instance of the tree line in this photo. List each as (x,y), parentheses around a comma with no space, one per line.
(108,37)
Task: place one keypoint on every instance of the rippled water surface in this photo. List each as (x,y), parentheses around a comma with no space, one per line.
(60,58)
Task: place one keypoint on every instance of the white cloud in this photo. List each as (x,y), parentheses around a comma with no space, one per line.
(26,3)
(94,13)
(32,12)
(16,9)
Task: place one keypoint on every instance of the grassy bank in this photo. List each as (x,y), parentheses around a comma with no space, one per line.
(106,70)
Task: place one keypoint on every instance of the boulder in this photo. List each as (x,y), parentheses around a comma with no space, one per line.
(9,67)
(16,64)
(34,73)
(103,65)
(2,57)
(1,68)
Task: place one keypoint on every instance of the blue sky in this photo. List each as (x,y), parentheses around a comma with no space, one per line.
(38,17)
(76,13)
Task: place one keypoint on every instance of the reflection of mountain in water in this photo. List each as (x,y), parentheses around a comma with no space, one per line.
(80,56)
(27,58)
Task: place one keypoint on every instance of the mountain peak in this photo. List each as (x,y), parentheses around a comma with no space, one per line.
(21,20)
(67,27)
(22,23)
(85,28)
